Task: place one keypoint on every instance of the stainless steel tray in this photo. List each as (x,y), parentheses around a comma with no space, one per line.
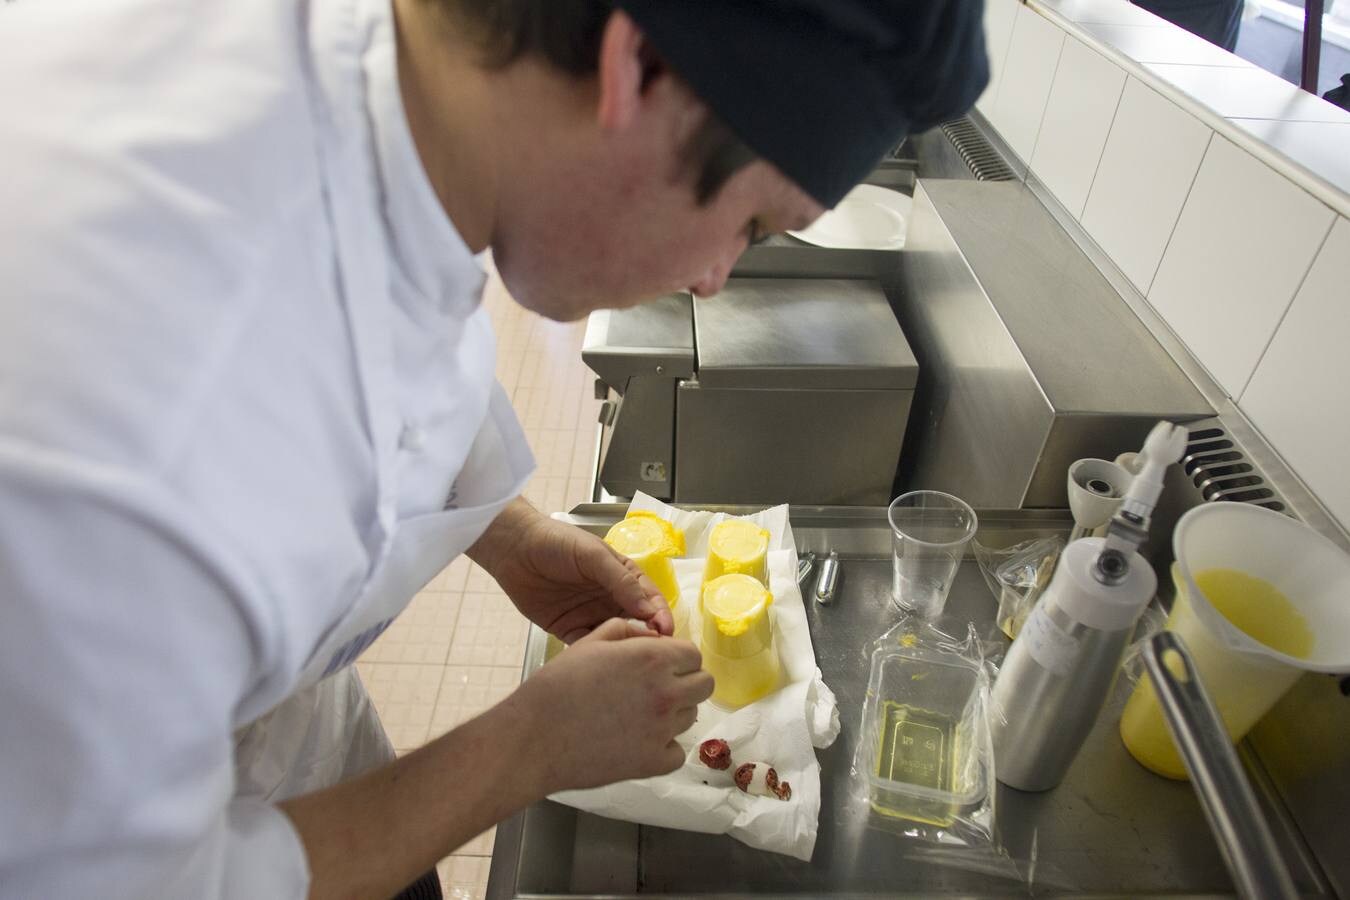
(1112,829)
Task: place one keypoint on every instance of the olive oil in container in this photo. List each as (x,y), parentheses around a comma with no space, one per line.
(927,733)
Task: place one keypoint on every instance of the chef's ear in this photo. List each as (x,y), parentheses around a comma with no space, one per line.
(627,65)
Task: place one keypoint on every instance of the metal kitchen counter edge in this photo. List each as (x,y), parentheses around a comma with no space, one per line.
(1112,829)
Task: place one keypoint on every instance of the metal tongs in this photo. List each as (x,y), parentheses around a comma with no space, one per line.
(1244,837)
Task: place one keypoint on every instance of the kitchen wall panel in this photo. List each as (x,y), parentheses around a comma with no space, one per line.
(1078,116)
(1243,244)
(999,17)
(1032,58)
(1150,161)
(1299,396)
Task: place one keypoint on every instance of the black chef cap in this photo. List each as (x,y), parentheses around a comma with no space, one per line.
(823,88)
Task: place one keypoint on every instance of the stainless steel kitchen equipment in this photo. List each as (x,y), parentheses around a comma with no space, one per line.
(775,390)
(1030,358)
(1111,829)
(1243,834)
(1060,670)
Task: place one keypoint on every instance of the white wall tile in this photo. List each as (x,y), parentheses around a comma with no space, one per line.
(1251,93)
(1245,239)
(1322,148)
(1150,160)
(1104,12)
(1298,396)
(1027,75)
(999,16)
(1163,43)
(1078,116)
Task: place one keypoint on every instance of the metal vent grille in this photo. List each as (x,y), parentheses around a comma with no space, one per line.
(1219,469)
(984,162)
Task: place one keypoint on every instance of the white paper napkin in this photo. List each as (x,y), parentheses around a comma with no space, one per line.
(782,729)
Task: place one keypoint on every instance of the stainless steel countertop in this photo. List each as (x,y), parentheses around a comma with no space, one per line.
(655,338)
(817,333)
(1112,829)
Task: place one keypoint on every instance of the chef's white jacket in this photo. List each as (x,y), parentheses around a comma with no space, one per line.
(246,408)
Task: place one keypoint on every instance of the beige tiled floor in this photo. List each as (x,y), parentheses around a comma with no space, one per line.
(458,648)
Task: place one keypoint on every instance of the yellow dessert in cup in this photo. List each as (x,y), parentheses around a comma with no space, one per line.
(738,645)
(651,542)
(737,547)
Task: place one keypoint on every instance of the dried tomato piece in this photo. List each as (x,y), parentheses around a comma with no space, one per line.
(761,779)
(715,753)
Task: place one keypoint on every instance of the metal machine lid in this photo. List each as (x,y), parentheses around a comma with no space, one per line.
(656,338)
(805,334)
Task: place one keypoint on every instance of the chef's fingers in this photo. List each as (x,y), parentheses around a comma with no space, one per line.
(672,757)
(682,656)
(684,720)
(633,592)
(609,630)
(663,622)
(695,687)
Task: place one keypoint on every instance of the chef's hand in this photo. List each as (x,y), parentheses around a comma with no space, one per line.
(609,707)
(564,579)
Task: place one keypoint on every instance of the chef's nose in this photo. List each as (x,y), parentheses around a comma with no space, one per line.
(715,278)
(711,282)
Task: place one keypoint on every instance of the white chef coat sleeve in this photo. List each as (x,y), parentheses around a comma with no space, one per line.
(127,639)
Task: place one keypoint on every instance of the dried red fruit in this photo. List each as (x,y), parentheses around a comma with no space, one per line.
(768,785)
(715,753)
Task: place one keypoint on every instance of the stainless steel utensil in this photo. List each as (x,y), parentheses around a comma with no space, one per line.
(1244,837)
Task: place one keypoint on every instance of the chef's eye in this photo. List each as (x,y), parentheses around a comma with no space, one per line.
(755,232)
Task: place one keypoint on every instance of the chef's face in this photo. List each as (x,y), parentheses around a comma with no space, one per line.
(619,221)
(634,234)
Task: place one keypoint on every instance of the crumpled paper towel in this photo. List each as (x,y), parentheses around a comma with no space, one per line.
(782,729)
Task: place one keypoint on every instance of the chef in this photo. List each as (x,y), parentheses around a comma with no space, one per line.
(247,404)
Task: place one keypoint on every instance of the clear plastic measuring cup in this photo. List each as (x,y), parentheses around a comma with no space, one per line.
(1244,675)
(929,534)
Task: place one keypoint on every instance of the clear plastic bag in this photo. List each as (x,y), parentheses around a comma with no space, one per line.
(1017,575)
(924,765)
(1153,620)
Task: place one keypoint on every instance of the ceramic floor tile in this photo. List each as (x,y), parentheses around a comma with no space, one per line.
(479,846)
(420,634)
(467,691)
(451,579)
(479,581)
(405,698)
(491,632)
(578,491)
(547,494)
(464,877)
(583,452)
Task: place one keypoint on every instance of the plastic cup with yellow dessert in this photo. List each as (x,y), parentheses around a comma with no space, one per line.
(651,542)
(738,644)
(737,547)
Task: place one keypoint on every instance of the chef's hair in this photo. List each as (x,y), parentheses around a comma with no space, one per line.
(567,33)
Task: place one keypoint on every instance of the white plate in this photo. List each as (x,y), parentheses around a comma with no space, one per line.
(868,218)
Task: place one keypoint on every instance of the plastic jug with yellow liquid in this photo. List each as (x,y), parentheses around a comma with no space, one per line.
(1261,598)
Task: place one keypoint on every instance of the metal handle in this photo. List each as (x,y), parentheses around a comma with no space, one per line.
(1244,837)
(828,581)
